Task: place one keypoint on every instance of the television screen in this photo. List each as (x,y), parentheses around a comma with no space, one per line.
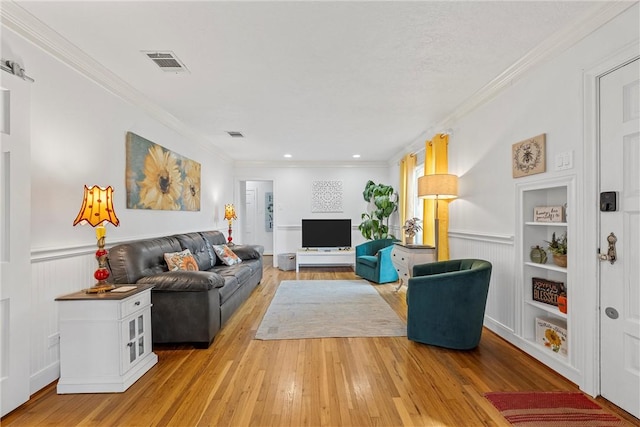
(326,233)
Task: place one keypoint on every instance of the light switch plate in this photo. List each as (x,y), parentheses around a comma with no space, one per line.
(564,160)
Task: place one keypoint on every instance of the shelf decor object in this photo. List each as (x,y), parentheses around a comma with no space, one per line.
(552,334)
(546,291)
(548,214)
(538,255)
(438,187)
(562,303)
(529,156)
(97,210)
(558,247)
(230,215)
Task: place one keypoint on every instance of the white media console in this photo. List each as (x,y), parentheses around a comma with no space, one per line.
(325,257)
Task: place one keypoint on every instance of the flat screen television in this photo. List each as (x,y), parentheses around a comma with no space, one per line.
(326,233)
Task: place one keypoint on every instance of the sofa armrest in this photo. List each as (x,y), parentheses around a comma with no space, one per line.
(180,281)
(246,252)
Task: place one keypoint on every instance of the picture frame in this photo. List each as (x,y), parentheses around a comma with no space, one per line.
(158,178)
(528,156)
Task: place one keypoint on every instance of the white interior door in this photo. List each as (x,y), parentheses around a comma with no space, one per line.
(619,281)
(15,241)
(251,207)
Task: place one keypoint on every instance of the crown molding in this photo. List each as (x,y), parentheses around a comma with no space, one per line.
(15,18)
(283,164)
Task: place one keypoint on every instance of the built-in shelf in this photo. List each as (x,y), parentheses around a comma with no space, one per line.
(546,224)
(532,195)
(550,267)
(551,309)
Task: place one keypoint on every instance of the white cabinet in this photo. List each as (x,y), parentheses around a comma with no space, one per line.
(404,257)
(557,349)
(105,340)
(319,257)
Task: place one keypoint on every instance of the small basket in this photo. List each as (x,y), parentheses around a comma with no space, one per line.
(287,262)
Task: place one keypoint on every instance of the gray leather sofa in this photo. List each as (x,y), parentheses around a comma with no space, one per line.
(188,306)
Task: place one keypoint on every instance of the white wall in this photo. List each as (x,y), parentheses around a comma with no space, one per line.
(292,195)
(78,137)
(549,100)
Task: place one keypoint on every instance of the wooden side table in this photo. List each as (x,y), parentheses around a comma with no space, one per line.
(105,340)
(404,257)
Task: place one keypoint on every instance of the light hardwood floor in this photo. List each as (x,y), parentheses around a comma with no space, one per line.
(240,381)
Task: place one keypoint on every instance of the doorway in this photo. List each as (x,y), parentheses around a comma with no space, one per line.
(258,207)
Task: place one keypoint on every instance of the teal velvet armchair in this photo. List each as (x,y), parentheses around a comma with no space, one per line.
(446,302)
(373,261)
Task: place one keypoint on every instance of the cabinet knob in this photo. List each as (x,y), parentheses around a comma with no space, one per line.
(129,344)
(137,303)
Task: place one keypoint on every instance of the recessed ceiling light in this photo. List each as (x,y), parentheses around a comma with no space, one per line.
(356,156)
(288,156)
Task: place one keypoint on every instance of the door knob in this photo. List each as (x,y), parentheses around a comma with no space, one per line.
(611,251)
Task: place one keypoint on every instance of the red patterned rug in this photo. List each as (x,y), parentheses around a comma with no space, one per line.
(557,409)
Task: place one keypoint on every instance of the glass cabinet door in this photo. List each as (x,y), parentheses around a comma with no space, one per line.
(137,341)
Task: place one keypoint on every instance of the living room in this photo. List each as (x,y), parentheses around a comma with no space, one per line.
(78,120)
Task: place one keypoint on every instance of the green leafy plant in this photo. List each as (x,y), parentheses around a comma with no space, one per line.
(557,246)
(411,227)
(384,202)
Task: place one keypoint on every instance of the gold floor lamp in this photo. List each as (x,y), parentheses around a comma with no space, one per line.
(438,186)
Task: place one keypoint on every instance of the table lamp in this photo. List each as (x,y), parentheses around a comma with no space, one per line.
(97,210)
(230,215)
(438,187)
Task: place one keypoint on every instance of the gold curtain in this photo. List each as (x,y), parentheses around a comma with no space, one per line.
(407,189)
(436,161)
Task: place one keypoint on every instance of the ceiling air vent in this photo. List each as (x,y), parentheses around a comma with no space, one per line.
(167,61)
(235,134)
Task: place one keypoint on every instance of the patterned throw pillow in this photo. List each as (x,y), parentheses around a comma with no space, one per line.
(181,261)
(226,255)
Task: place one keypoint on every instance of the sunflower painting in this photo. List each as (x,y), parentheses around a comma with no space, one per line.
(160,179)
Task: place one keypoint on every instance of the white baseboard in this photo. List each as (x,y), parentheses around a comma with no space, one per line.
(44,377)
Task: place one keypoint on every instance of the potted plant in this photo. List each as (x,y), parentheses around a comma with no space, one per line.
(411,228)
(558,248)
(384,202)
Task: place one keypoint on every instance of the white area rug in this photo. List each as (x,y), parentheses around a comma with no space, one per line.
(328,308)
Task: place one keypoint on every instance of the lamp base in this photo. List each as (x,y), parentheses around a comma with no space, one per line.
(100,288)
(229,239)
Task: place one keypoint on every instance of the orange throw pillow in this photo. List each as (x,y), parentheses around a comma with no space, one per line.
(181,261)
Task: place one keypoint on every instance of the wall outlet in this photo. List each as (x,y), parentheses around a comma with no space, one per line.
(53,340)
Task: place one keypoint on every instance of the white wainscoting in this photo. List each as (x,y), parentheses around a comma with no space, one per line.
(500,251)
(54,273)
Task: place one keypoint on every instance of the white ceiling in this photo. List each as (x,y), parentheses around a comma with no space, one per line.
(318,80)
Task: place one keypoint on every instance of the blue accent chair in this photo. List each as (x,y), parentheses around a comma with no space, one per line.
(373,261)
(446,301)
